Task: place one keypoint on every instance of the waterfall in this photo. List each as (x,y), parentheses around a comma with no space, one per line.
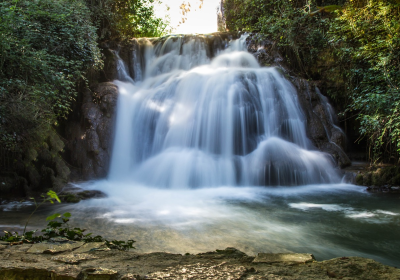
(203,113)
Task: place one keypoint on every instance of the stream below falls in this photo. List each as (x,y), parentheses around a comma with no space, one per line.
(328,221)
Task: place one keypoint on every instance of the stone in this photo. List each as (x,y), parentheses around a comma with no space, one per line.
(201,271)
(59,240)
(130,276)
(222,264)
(92,246)
(53,248)
(73,258)
(99,274)
(283,257)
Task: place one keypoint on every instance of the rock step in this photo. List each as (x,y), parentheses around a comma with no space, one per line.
(17,263)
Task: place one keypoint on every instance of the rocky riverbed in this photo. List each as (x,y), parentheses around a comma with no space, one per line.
(75,260)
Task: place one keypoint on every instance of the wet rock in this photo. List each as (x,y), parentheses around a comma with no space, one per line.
(359,179)
(378,178)
(72,194)
(59,240)
(52,248)
(221,264)
(201,271)
(231,251)
(99,273)
(90,134)
(26,273)
(286,258)
(66,272)
(337,153)
(73,258)
(92,246)
(316,129)
(130,276)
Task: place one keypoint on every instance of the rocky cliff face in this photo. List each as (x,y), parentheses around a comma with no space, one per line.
(90,134)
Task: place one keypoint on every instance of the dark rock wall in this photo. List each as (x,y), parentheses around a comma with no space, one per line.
(90,138)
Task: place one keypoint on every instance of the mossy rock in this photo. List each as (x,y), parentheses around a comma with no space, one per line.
(380,176)
(377,177)
(367,180)
(359,179)
(86,194)
(70,198)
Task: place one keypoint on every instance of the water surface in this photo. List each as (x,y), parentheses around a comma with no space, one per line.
(326,220)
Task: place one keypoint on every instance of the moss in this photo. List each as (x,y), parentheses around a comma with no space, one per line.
(85,194)
(61,168)
(70,198)
(359,179)
(367,179)
(377,177)
(380,176)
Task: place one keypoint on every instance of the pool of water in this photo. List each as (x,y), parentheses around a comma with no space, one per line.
(325,220)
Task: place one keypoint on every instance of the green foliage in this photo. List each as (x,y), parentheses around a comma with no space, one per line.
(50,196)
(299,36)
(58,227)
(368,41)
(45,48)
(118,19)
(352,46)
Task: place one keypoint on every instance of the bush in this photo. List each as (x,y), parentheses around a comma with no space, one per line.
(45,46)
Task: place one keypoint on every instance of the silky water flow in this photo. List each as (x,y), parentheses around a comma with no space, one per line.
(197,122)
(211,151)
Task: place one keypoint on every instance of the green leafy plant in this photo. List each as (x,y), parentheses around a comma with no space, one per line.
(117,19)
(50,196)
(58,227)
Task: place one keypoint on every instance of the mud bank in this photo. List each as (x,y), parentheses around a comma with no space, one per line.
(95,261)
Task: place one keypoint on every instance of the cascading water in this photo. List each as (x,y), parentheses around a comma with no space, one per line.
(206,116)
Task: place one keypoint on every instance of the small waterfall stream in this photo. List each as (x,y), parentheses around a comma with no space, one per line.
(205,117)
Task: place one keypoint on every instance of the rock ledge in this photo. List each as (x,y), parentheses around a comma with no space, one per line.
(18,263)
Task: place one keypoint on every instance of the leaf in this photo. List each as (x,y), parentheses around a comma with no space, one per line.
(53,195)
(52,217)
(67,215)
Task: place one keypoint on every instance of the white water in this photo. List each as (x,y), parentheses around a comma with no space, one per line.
(199,122)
